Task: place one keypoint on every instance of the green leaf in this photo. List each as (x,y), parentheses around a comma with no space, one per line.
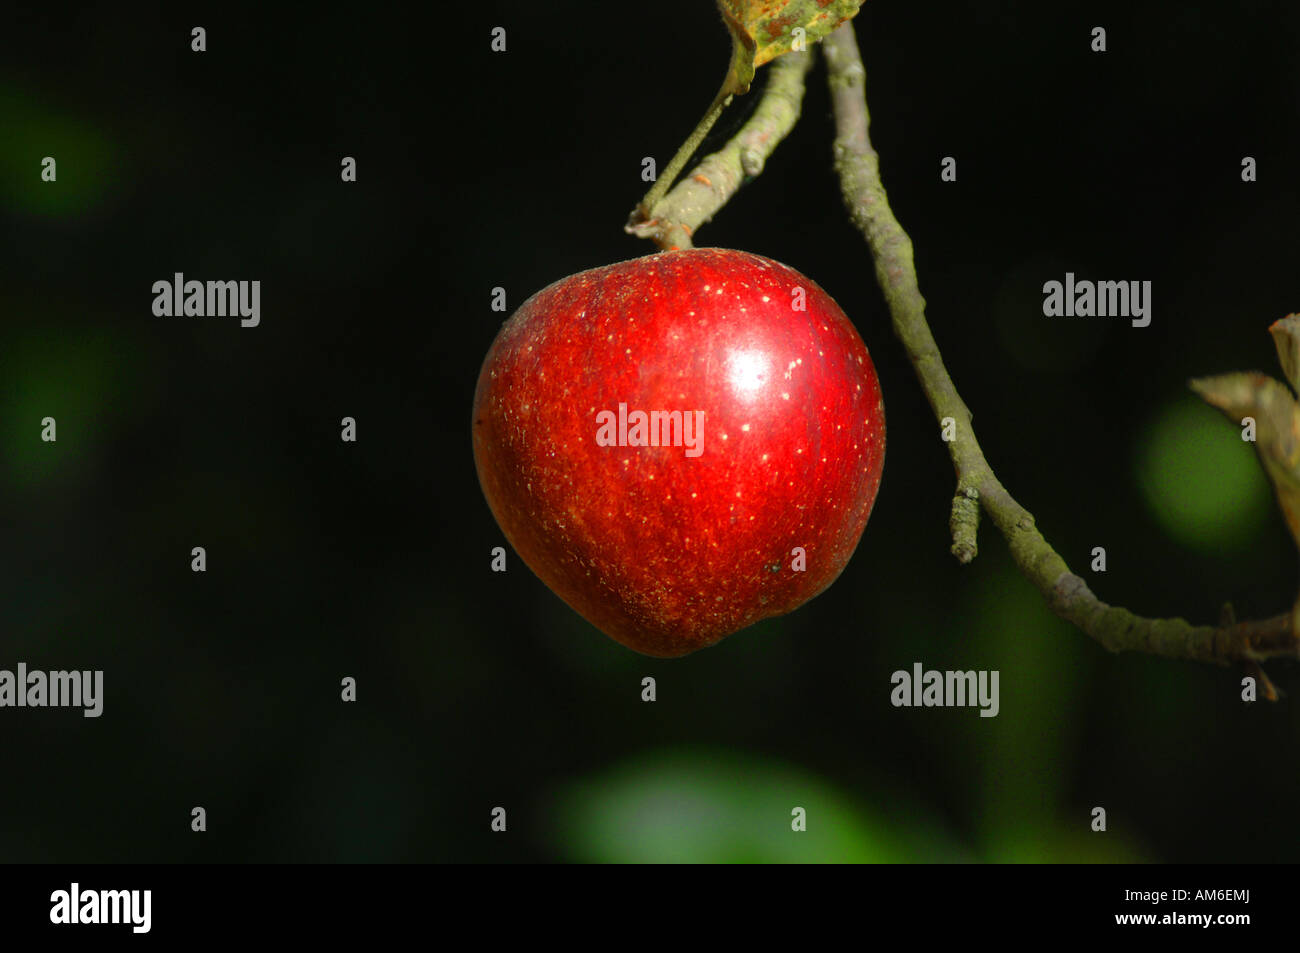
(762,30)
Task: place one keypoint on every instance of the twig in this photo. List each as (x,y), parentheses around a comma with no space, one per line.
(684,152)
(697,197)
(1067,594)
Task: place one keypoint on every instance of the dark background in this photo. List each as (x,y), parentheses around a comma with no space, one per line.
(371,560)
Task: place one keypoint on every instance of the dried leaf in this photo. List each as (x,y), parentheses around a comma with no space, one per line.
(762,30)
(1277,429)
(1286,335)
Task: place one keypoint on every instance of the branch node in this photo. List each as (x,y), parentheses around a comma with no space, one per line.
(964,524)
(1227,615)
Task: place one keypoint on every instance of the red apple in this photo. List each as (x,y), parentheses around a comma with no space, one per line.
(776,448)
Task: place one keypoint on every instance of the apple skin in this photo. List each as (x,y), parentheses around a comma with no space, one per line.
(663,552)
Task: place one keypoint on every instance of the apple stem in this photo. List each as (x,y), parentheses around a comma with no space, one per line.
(678,161)
(697,197)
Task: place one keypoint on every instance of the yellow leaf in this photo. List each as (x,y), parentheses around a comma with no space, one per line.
(1286,335)
(762,30)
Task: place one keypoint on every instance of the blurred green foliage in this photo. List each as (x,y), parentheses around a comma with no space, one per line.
(74,378)
(1026,814)
(87,163)
(1202,482)
(719,806)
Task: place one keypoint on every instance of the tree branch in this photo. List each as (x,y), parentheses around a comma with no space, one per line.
(1066,593)
(673,220)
